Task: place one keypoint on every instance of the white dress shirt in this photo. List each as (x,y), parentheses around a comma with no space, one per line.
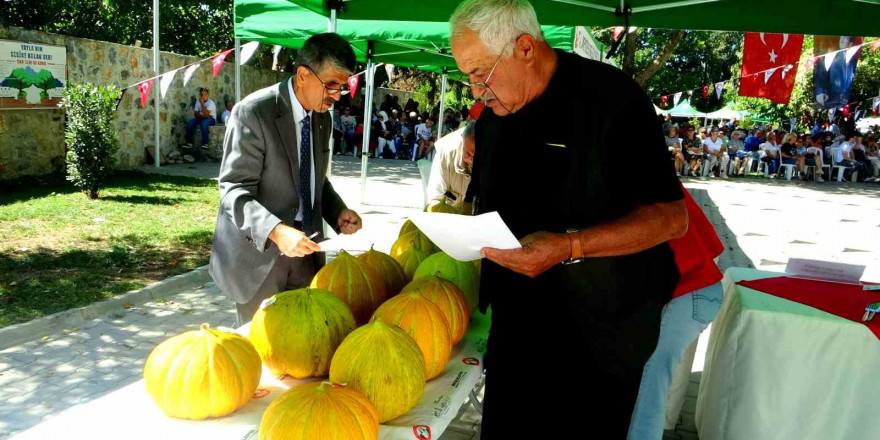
(299,113)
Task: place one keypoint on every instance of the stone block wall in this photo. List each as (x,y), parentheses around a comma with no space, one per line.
(32,140)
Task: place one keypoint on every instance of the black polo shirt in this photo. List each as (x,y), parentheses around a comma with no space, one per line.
(586,152)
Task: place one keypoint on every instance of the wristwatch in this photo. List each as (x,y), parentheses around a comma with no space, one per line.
(577,252)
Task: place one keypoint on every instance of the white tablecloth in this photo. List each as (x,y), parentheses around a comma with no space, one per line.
(129,413)
(778,370)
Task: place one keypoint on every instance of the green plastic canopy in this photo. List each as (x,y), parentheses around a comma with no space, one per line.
(423,45)
(684,110)
(814,17)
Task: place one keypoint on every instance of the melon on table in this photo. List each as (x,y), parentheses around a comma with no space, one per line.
(320,411)
(463,274)
(354,283)
(388,268)
(448,298)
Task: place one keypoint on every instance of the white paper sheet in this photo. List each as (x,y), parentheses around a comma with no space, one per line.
(463,236)
(354,244)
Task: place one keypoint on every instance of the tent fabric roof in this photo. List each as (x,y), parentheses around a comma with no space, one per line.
(845,17)
(724,113)
(410,44)
(684,109)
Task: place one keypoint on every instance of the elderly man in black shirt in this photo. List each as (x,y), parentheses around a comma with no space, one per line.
(576,311)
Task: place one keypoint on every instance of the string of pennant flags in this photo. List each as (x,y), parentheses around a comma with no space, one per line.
(145,86)
(827,58)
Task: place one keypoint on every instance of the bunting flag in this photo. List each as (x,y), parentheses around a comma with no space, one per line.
(690,94)
(144,88)
(218,60)
(119,100)
(675,98)
(875,105)
(705,92)
(165,82)
(846,111)
(786,70)
(389,69)
(719,89)
(663,100)
(247,51)
(811,62)
(188,73)
(764,52)
(793,122)
(353,84)
(851,52)
(617,31)
(858,113)
(831,112)
(875,45)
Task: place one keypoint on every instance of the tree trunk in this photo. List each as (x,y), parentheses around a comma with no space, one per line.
(93,193)
(630,44)
(645,74)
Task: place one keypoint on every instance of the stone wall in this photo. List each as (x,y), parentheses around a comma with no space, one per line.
(32,141)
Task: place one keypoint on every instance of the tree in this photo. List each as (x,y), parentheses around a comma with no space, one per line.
(45,80)
(20,78)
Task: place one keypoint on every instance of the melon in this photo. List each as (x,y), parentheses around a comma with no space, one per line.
(463,274)
(202,373)
(427,325)
(296,332)
(442,207)
(354,283)
(410,261)
(408,226)
(320,411)
(391,271)
(410,240)
(383,363)
(448,298)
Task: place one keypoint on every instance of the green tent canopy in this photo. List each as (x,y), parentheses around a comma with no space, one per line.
(684,110)
(423,45)
(815,17)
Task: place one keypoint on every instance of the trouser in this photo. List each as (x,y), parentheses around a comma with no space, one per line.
(385,143)
(203,125)
(287,274)
(660,394)
(712,160)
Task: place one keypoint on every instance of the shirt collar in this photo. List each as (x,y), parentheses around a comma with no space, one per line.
(299,113)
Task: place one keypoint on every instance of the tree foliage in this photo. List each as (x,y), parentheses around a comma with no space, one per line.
(189,27)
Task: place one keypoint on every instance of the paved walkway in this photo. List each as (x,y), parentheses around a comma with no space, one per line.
(761,222)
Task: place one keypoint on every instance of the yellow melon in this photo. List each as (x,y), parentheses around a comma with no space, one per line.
(354,283)
(320,411)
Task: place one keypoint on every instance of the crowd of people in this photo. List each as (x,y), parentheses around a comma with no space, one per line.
(731,150)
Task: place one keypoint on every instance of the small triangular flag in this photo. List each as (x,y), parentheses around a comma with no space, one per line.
(165,82)
(768,74)
(829,59)
(786,69)
(831,113)
(793,122)
(247,51)
(188,73)
(218,60)
(353,84)
(617,31)
(690,94)
(705,92)
(675,98)
(875,45)
(851,52)
(811,62)
(875,105)
(719,89)
(144,88)
(858,113)
(389,69)
(663,100)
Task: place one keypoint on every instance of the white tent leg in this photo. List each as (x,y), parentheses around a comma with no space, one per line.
(156,87)
(368,122)
(237,71)
(442,104)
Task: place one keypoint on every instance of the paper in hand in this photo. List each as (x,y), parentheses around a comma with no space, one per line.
(463,236)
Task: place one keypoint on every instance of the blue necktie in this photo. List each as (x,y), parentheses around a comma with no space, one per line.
(305,175)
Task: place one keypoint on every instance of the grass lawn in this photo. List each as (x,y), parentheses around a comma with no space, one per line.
(59,250)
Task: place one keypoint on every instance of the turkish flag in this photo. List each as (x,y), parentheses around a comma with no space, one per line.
(763,56)
(663,100)
(218,60)
(353,84)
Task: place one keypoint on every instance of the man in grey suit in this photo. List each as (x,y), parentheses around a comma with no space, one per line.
(274,190)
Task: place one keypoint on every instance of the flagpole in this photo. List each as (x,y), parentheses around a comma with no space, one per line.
(156,97)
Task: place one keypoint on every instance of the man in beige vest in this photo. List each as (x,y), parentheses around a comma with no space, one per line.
(451,170)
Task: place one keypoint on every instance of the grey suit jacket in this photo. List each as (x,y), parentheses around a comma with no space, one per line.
(259,188)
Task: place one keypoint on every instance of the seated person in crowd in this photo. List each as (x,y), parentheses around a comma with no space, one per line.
(224,117)
(770,155)
(873,153)
(673,142)
(736,150)
(694,147)
(204,111)
(860,156)
(753,144)
(789,155)
(451,170)
(714,153)
(385,132)
(425,138)
(349,123)
(843,156)
(815,153)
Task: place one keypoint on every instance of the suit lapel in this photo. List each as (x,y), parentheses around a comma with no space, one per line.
(286,130)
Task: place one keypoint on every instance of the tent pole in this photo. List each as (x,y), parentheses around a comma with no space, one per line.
(368,122)
(442,104)
(237,70)
(156,87)
(331,22)
(331,28)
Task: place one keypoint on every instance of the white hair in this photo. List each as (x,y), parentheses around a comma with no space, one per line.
(498,22)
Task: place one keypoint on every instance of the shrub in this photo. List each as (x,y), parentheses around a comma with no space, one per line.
(90,135)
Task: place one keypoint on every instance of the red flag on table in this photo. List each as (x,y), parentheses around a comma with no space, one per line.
(763,54)
(705,92)
(663,100)
(353,84)
(218,60)
(144,88)
(617,31)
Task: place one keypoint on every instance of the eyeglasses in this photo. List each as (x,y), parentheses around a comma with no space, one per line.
(340,91)
(485,84)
